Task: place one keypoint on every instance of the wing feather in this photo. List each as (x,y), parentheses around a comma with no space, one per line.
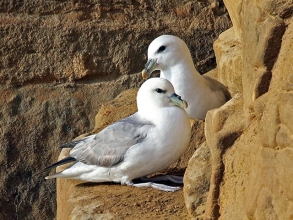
(108,147)
(218,86)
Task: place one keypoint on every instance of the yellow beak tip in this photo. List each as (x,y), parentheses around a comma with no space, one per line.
(185,104)
(144,74)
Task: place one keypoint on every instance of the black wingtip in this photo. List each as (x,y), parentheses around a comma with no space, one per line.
(59,163)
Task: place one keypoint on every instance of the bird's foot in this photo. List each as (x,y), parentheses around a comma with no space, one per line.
(157,186)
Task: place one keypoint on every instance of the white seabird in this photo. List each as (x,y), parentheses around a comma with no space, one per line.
(144,143)
(171,56)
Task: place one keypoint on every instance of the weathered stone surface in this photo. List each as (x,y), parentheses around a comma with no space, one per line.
(222,128)
(60,60)
(234,8)
(250,138)
(197,182)
(70,40)
(229,61)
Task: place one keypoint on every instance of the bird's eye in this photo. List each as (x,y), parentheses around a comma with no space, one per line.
(161,49)
(158,90)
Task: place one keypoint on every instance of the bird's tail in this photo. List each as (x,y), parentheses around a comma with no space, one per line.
(59,163)
(75,171)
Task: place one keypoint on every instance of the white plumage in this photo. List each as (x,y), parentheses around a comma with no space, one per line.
(146,142)
(171,56)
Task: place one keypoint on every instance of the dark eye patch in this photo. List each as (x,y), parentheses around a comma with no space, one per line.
(158,90)
(161,49)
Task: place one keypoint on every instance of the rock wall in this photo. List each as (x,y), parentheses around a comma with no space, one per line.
(60,60)
(250,138)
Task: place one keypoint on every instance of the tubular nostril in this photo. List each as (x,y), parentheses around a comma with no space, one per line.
(147,64)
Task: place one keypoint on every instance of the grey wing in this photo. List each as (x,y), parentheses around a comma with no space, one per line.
(108,147)
(217,86)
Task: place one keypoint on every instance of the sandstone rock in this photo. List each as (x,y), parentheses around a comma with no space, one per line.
(60,60)
(234,8)
(67,41)
(229,61)
(197,182)
(250,137)
(222,129)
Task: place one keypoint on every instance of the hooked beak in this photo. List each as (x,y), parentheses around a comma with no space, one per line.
(149,68)
(176,100)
